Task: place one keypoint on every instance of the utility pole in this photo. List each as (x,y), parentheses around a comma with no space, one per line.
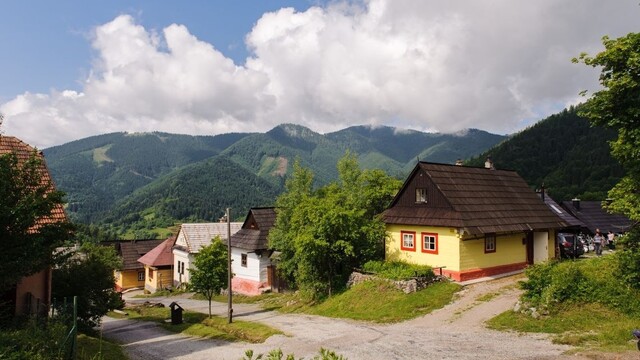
(229,274)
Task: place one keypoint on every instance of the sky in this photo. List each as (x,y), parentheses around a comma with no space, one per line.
(76,68)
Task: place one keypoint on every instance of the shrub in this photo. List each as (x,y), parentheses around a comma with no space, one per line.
(397,270)
(593,280)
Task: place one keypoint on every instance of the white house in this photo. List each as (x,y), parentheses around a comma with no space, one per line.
(251,259)
(190,239)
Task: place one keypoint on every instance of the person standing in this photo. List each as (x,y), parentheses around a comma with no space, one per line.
(610,239)
(598,239)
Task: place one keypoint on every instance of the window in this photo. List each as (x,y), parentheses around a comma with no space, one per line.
(408,240)
(182,270)
(430,243)
(140,275)
(180,267)
(150,273)
(490,243)
(243,260)
(421,195)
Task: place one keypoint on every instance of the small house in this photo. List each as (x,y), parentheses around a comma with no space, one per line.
(594,216)
(132,273)
(32,294)
(470,222)
(251,263)
(158,266)
(191,237)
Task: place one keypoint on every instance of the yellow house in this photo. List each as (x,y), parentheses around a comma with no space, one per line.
(132,274)
(472,222)
(158,266)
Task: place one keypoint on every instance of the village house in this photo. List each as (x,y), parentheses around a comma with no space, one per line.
(251,262)
(32,294)
(192,237)
(132,273)
(158,266)
(471,222)
(594,216)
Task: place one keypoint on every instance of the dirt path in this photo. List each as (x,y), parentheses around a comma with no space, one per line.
(453,332)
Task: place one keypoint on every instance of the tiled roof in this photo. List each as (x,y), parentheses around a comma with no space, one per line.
(23,151)
(132,250)
(160,255)
(478,200)
(253,235)
(595,217)
(197,235)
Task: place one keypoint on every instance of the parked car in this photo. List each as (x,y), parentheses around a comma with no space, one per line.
(570,245)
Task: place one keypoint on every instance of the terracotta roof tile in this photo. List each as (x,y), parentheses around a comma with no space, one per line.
(23,151)
(160,255)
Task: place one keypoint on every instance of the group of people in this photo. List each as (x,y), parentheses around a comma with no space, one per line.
(599,240)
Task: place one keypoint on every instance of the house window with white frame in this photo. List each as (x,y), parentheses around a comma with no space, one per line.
(490,243)
(243,260)
(429,243)
(421,195)
(408,240)
(140,275)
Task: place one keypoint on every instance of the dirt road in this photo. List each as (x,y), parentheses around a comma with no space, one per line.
(453,332)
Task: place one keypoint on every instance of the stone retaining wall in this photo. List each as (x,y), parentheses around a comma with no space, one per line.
(407,286)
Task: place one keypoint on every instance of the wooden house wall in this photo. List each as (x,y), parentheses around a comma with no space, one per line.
(435,199)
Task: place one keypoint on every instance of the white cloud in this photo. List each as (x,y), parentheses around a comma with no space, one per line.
(426,65)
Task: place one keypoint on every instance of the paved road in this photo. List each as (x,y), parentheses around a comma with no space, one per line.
(454,332)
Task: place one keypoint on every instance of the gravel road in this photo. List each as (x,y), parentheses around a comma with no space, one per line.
(453,332)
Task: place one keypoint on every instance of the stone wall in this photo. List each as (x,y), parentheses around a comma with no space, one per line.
(407,286)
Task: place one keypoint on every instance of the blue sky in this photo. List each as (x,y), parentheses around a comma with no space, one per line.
(73,69)
(45,42)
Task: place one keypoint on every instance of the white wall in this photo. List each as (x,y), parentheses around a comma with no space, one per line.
(182,256)
(256,269)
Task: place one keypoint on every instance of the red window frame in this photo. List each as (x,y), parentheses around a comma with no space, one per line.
(488,238)
(425,250)
(402,234)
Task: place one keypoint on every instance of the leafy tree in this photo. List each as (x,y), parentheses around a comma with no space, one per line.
(324,234)
(210,273)
(28,242)
(88,274)
(617,106)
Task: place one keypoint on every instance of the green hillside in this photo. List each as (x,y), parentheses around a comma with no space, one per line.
(563,152)
(137,183)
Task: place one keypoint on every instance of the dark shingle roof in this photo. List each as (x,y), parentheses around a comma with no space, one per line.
(254,231)
(131,250)
(477,200)
(595,217)
(563,214)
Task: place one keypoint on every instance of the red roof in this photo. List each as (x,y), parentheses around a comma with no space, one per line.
(23,151)
(160,255)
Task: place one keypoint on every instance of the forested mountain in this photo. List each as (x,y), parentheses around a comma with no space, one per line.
(138,182)
(563,152)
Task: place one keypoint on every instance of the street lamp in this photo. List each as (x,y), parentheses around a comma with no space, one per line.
(229,274)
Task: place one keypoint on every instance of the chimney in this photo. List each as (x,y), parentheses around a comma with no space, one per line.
(488,164)
(576,203)
(459,162)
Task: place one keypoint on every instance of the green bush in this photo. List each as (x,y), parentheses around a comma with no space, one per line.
(397,270)
(592,280)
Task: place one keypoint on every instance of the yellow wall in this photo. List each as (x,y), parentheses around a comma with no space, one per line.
(454,254)
(154,284)
(509,250)
(448,247)
(128,279)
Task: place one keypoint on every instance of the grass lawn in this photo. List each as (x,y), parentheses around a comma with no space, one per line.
(90,348)
(376,301)
(198,324)
(587,326)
